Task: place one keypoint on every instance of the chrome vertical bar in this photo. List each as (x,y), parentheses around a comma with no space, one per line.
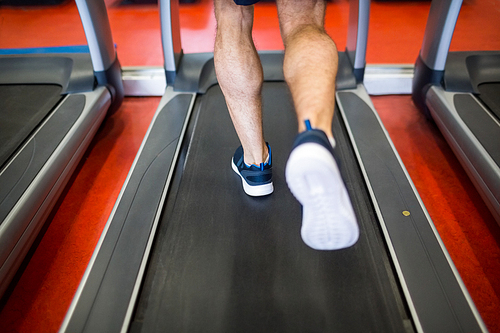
(357,35)
(441,23)
(171,37)
(98,32)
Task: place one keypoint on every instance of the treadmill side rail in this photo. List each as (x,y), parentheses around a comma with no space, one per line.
(37,193)
(128,235)
(439,76)
(437,298)
(482,169)
(25,219)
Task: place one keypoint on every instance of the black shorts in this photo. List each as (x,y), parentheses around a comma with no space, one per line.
(245,2)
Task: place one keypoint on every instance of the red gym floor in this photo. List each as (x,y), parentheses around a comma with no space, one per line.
(39,300)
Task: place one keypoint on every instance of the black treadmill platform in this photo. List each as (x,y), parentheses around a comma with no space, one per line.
(227,262)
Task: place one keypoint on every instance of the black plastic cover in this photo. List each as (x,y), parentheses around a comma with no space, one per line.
(197,72)
(465,71)
(73,72)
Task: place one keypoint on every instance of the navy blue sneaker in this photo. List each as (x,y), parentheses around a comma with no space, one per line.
(313,176)
(256,180)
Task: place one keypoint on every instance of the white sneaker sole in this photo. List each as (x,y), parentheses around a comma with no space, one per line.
(328,220)
(254,191)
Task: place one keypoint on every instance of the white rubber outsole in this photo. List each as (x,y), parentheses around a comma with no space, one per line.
(254,191)
(328,220)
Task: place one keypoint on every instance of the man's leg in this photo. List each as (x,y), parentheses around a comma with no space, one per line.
(311,61)
(240,76)
(310,68)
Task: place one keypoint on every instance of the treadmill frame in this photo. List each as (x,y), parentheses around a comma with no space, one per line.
(25,218)
(436,296)
(436,100)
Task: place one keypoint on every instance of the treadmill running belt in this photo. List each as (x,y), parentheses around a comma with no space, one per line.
(226,262)
(22,108)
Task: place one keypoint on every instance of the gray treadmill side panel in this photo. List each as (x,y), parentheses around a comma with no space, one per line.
(24,220)
(477,162)
(115,268)
(435,294)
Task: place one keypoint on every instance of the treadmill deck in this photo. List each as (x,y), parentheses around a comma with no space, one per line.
(227,262)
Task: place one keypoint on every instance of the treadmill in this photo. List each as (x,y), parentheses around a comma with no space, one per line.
(461,92)
(52,101)
(186,250)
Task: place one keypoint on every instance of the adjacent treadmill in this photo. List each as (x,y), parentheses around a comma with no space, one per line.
(461,92)
(185,250)
(52,102)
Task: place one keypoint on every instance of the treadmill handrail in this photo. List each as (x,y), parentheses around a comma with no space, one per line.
(357,35)
(170,37)
(439,30)
(98,33)
(97,29)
